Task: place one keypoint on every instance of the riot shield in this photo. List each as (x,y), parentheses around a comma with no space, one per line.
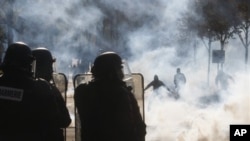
(135,80)
(81,79)
(77,80)
(61,82)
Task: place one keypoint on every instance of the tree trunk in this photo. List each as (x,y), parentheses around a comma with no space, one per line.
(209,60)
(246,48)
(222,48)
(246,57)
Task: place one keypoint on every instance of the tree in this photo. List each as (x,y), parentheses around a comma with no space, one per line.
(213,20)
(220,18)
(243,17)
(198,24)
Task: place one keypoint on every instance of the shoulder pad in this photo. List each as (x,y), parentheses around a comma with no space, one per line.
(43,83)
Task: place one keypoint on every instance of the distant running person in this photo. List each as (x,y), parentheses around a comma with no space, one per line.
(156,83)
(179,80)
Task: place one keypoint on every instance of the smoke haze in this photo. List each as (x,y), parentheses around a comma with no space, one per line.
(151,47)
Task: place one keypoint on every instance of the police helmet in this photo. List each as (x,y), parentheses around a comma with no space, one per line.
(44,63)
(107,62)
(18,55)
(43,56)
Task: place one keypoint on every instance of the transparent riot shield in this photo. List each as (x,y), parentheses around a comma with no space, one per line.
(77,80)
(81,79)
(61,82)
(135,80)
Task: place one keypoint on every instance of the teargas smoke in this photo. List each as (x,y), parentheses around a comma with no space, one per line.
(203,112)
(146,33)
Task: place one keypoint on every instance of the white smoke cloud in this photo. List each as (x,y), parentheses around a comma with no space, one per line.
(202,113)
(198,115)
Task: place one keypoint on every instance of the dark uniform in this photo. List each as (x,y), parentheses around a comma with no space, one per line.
(26,105)
(62,116)
(108,110)
(44,69)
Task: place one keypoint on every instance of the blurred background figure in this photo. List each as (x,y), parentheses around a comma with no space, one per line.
(222,80)
(44,70)
(179,80)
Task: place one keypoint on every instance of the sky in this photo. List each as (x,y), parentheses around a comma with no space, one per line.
(203,112)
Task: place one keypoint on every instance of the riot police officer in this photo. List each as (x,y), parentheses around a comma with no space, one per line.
(108,110)
(44,69)
(26,105)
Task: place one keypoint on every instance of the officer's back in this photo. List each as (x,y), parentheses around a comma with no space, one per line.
(108,110)
(26,106)
(44,70)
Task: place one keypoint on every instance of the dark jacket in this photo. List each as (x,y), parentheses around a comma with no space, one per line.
(62,116)
(108,112)
(26,108)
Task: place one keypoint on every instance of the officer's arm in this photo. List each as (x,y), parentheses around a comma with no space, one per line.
(47,101)
(64,119)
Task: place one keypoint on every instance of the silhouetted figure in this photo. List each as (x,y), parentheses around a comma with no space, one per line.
(156,83)
(179,80)
(108,110)
(222,80)
(44,69)
(27,107)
